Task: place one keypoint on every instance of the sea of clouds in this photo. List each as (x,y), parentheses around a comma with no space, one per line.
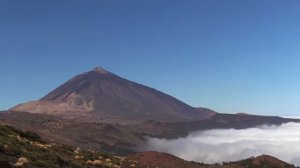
(219,145)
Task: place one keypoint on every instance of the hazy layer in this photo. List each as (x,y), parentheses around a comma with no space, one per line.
(220,145)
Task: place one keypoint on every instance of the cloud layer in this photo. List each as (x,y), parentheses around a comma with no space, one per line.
(219,145)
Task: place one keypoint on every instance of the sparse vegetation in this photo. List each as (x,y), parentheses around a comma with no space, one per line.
(26,149)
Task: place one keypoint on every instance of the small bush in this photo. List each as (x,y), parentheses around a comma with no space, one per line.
(30,135)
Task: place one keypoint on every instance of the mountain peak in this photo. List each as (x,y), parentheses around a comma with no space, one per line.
(100,70)
(102,94)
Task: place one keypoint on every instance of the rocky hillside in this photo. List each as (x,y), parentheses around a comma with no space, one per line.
(28,150)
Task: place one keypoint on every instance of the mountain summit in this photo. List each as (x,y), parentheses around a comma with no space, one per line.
(100,70)
(102,94)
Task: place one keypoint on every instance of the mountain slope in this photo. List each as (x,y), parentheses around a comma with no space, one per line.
(102,94)
(27,150)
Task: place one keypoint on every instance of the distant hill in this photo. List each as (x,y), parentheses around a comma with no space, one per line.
(102,95)
(157,159)
(262,161)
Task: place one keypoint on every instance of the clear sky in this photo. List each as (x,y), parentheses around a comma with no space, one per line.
(227,55)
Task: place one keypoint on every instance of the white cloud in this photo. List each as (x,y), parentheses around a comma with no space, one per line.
(219,145)
(293,117)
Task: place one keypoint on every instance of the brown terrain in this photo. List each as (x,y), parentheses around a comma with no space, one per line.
(156,159)
(270,159)
(98,110)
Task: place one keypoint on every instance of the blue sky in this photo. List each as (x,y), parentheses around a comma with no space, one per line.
(230,56)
